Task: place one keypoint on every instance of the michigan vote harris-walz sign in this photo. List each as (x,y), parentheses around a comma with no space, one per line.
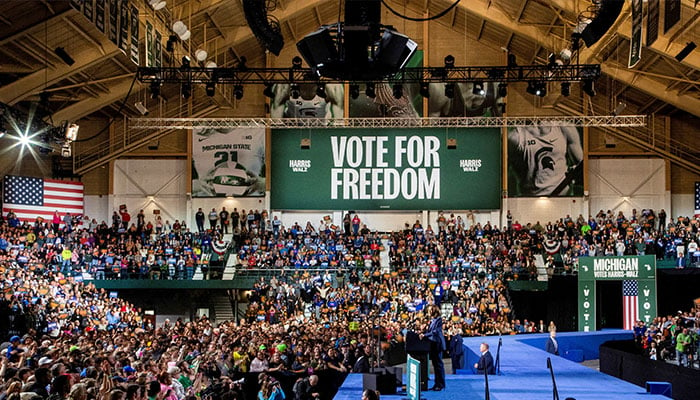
(386,169)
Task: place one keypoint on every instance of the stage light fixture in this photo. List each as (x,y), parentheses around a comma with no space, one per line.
(425,89)
(72,132)
(210,64)
(321,90)
(170,44)
(155,89)
(157,4)
(588,87)
(210,88)
(200,55)
(141,108)
(186,62)
(502,89)
(354,91)
(370,90)
(296,62)
(268,92)
(186,90)
(478,89)
(541,89)
(566,89)
(449,61)
(238,91)
(294,91)
(397,91)
(449,90)
(512,60)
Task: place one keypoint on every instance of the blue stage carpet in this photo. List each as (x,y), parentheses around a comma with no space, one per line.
(524,373)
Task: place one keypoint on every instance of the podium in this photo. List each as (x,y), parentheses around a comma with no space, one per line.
(419,349)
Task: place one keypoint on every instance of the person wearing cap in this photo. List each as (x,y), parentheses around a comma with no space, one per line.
(14,350)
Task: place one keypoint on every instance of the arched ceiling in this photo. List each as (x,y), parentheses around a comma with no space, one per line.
(97,83)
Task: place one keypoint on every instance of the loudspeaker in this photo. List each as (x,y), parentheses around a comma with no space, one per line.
(396,371)
(318,48)
(383,383)
(395,50)
(266,30)
(362,12)
(607,14)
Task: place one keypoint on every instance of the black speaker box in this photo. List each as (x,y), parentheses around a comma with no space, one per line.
(383,383)
(396,371)
(607,14)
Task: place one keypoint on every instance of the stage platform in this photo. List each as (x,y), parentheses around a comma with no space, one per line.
(524,373)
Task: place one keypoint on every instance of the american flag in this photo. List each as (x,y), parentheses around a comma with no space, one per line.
(630,312)
(31,197)
(697,198)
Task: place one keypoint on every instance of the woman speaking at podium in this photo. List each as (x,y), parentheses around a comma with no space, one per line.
(437,346)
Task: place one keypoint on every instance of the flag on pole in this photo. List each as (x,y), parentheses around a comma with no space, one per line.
(30,198)
(630,303)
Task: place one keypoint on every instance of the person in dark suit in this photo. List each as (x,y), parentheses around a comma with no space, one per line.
(456,350)
(485,361)
(552,346)
(437,346)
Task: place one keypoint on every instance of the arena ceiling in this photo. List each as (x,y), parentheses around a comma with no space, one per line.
(101,76)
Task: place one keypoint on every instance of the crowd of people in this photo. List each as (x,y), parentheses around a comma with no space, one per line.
(671,338)
(123,250)
(304,327)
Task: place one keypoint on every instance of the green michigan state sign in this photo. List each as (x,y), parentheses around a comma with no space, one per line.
(386,169)
(638,276)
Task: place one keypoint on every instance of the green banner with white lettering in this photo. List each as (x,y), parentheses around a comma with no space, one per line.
(638,276)
(386,169)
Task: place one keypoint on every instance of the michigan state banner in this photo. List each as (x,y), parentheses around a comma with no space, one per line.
(228,162)
(638,276)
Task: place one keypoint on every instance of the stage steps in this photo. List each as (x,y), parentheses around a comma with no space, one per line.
(541,268)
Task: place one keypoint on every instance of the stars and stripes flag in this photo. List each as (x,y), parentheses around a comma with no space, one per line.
(630,303)
(30,198)
(697,198)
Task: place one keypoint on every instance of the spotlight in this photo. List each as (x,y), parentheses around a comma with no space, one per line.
(3,129)
(155,89)
(72,132)
(238,91)
(478,89)
(186,90)
(179,27)
(541,89)
(552,61)
(141,108)
(294,91)
(66,151)
(200,55)
(242,60)
(296,62)
(170,44)
(512,61)
(619,108)
(369,90)
(449,61)
(425,89)
(210,88)
(24,140)
(186,35)
(268,92)
(157,4)
(186,62)
(589,87)
(566,89)
(450,90)
(398,91)
(63,54)
(321,90)
(210,64)
(354,91)
(537,88)
(502,89)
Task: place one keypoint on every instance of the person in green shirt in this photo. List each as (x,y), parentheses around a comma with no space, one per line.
(683,341)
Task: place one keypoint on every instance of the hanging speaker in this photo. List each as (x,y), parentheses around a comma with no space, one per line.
(607,14)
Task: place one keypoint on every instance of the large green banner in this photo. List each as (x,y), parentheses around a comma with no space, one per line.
(638,276)
(386,169)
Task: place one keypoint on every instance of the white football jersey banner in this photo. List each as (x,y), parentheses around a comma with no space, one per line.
(228,162)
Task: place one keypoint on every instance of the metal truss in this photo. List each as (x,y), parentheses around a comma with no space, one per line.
(190,123)
(197,75)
